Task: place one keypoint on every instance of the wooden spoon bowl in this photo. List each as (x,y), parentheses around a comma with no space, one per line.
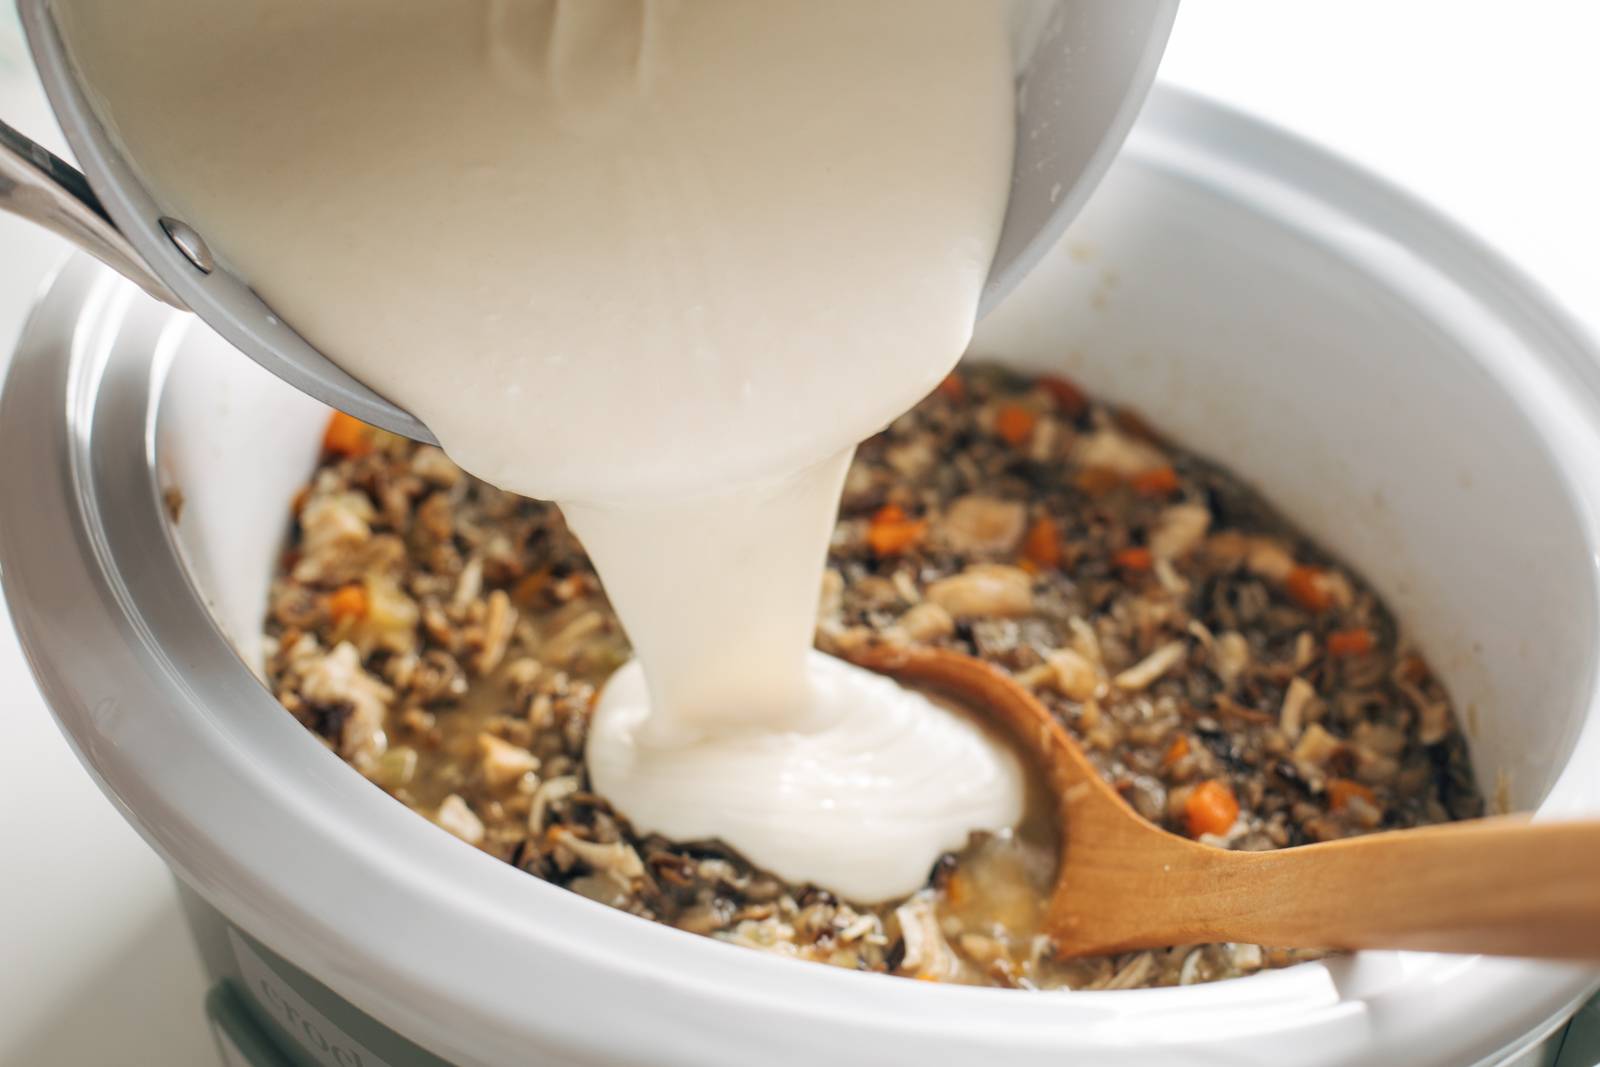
(1501,886)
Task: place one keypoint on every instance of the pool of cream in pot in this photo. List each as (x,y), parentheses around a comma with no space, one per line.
(665,262)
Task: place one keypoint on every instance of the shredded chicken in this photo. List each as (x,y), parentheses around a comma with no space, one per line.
(1230,658)
(1112,450)
(1317,746)
(1076,677)
(1291,716)
(1179,529)
(1152,667)
(985,589)
(928,955)
(336,678)
(927,622)
(454,815)
(551,791)
(503,763)
(984,526)
(617,859)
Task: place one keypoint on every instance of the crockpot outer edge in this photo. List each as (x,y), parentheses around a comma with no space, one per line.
(43,519)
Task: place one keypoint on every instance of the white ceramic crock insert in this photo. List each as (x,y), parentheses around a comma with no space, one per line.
(1387,381)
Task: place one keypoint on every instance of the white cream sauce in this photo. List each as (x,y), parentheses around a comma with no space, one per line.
(665,262)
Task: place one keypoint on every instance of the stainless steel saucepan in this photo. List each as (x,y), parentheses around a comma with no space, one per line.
(1089,64)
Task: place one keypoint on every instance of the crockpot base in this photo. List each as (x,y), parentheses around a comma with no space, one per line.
(1385,380)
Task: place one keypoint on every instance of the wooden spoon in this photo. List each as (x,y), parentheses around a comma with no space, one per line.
(1501,886)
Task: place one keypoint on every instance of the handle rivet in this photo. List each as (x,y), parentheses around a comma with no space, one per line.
(189,243)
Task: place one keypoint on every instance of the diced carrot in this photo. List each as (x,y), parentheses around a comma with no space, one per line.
(953,388)
(955,890)
(1068,397)
(1175,751)
(348,602)
(1211,808)
(1042,546)
(892,532)
(1163,481)
(529,586)
(1308,587)
(1014,423)
(1340,790)
(1355,642)
(1096,481)
(347,436)
(1134,559)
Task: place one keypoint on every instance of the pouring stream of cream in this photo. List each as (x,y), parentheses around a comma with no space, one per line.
(665,262)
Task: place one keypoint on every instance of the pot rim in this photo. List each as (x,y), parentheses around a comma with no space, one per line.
(277,833)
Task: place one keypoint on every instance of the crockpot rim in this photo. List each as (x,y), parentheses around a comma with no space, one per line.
(1173,118)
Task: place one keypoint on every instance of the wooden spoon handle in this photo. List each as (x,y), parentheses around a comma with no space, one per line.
(1500,886)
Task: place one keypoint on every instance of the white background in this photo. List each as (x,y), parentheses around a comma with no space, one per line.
(1488,108)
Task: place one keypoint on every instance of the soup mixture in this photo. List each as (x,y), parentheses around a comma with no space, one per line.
(1231,680)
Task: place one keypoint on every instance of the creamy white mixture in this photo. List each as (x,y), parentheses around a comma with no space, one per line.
(663,261)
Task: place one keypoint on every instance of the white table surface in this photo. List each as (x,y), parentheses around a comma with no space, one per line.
(1487,108)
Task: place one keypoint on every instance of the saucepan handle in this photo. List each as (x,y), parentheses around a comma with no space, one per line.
(38,185)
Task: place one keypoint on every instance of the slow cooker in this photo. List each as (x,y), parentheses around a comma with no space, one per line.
(1389,382)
